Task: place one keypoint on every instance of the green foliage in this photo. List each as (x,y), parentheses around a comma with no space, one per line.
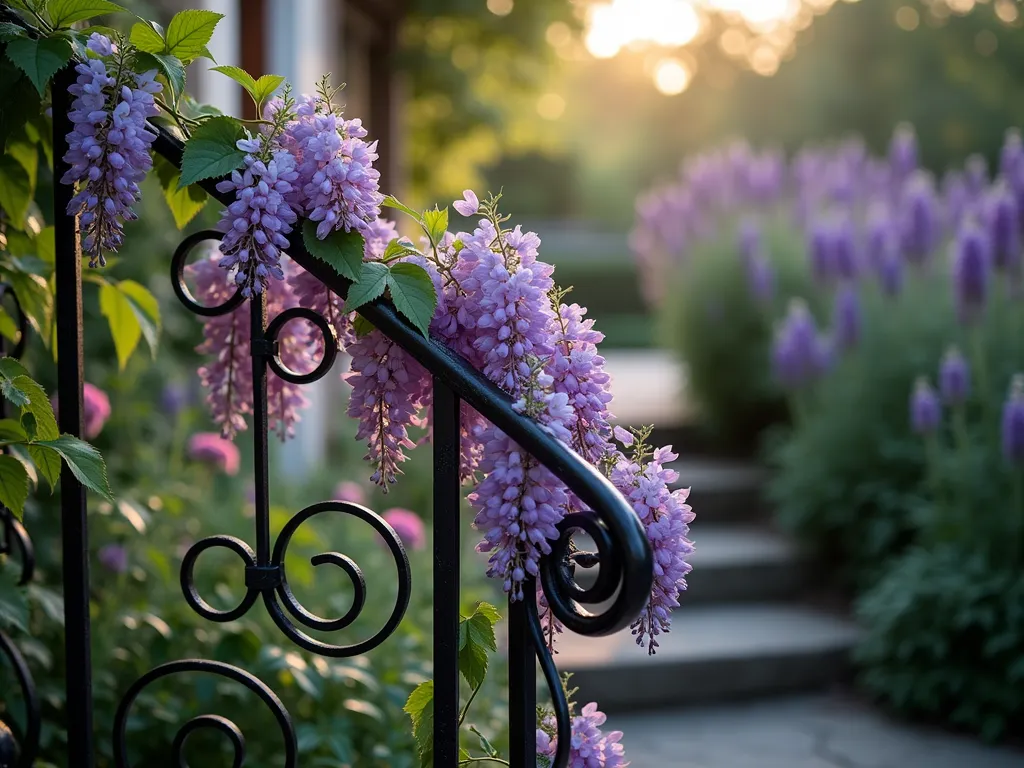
(64,13)
(412,290)
(189,33)
(211,151)
(38,59)
(724,334)
(944,633)
(435,224)
(185,202)
(343,251)
(147,36)
(132,312)
(420,708)
(476,639)
(373,279)
(260,90)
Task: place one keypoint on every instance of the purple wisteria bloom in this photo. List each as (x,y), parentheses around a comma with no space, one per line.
(1013,421)
(108,147)
(925,409)
(1003,221)
(921,227)
(591,747)
(257,223)
(469,205)
(954,378)
(800,355)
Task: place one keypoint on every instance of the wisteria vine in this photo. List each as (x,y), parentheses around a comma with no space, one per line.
(302,164)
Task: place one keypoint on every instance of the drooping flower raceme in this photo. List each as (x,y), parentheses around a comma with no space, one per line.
(590,748)
(646,484)
(257,223)
(108,147)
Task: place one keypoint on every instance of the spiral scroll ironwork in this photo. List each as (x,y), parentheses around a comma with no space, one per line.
(212,722)
(19,744)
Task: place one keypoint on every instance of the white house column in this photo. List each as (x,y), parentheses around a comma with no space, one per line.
(226,46)
(304,42)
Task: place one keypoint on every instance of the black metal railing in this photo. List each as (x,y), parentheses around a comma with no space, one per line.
(626,566)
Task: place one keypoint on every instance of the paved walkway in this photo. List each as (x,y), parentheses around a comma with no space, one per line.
(806,732)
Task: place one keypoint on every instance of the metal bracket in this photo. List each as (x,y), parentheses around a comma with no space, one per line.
(263,577)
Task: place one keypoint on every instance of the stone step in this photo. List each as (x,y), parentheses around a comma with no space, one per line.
(723,491)
(740,563)
(712,654)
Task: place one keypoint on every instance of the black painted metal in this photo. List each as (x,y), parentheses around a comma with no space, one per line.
(19,745)
(74,530)
(623,552)
(446,574)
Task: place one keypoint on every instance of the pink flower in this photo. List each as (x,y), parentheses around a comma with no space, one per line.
(95,410)
(409,527)
(213,449)
(469,205)
(347,490)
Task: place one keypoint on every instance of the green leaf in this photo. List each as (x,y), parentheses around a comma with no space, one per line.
(20,101)
(12,430)
(184,202)
(13,485)
(124,325)
(35,300)
(476,638)
(373,279)
(8,328)
(39,406)
(361,326)
(146,309)
(13,599)
(240,76)
(47,461)
(166,65)
(147,39)
(397,249)
(390,201)
(211,151)
(25,152)
(39,59)
(18,452)
(413,292)
(9,31)
(435,222)
(64,13)
(11,368)
(189,32)
(485,744)
(84,461)
(266,86)
(420,708)
(15,396)
(15,189)
(343,251)
(46,245)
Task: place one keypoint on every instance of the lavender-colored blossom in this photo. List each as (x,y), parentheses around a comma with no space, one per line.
(1013,421)
(108,147)
(822,256)
(972,262)
(388,389)
(903,151)
(350,491)
(591,747)
(409,527)
(469,205)
(340,186)
(799,354)
(890,273)
(666,517)
(1003,221)
(921,228)
(257,223)
(760,279)
(954,378)
(925,409)
(847,317)
(976,173)
(211,448)
(113,557)
(174,399)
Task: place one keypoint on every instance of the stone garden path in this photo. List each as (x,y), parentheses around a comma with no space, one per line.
(805,732)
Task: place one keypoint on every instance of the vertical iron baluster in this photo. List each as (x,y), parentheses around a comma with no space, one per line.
(522,682)
(446,574)
(260,425)
(68,280)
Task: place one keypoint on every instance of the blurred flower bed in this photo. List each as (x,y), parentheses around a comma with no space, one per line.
(177,482)
(864,321)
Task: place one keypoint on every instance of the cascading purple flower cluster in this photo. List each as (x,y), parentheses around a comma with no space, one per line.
(258,222)
(108,147)
(646,481)
(591,747)
(227,377)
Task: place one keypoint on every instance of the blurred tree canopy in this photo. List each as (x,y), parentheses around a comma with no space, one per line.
(472,71)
